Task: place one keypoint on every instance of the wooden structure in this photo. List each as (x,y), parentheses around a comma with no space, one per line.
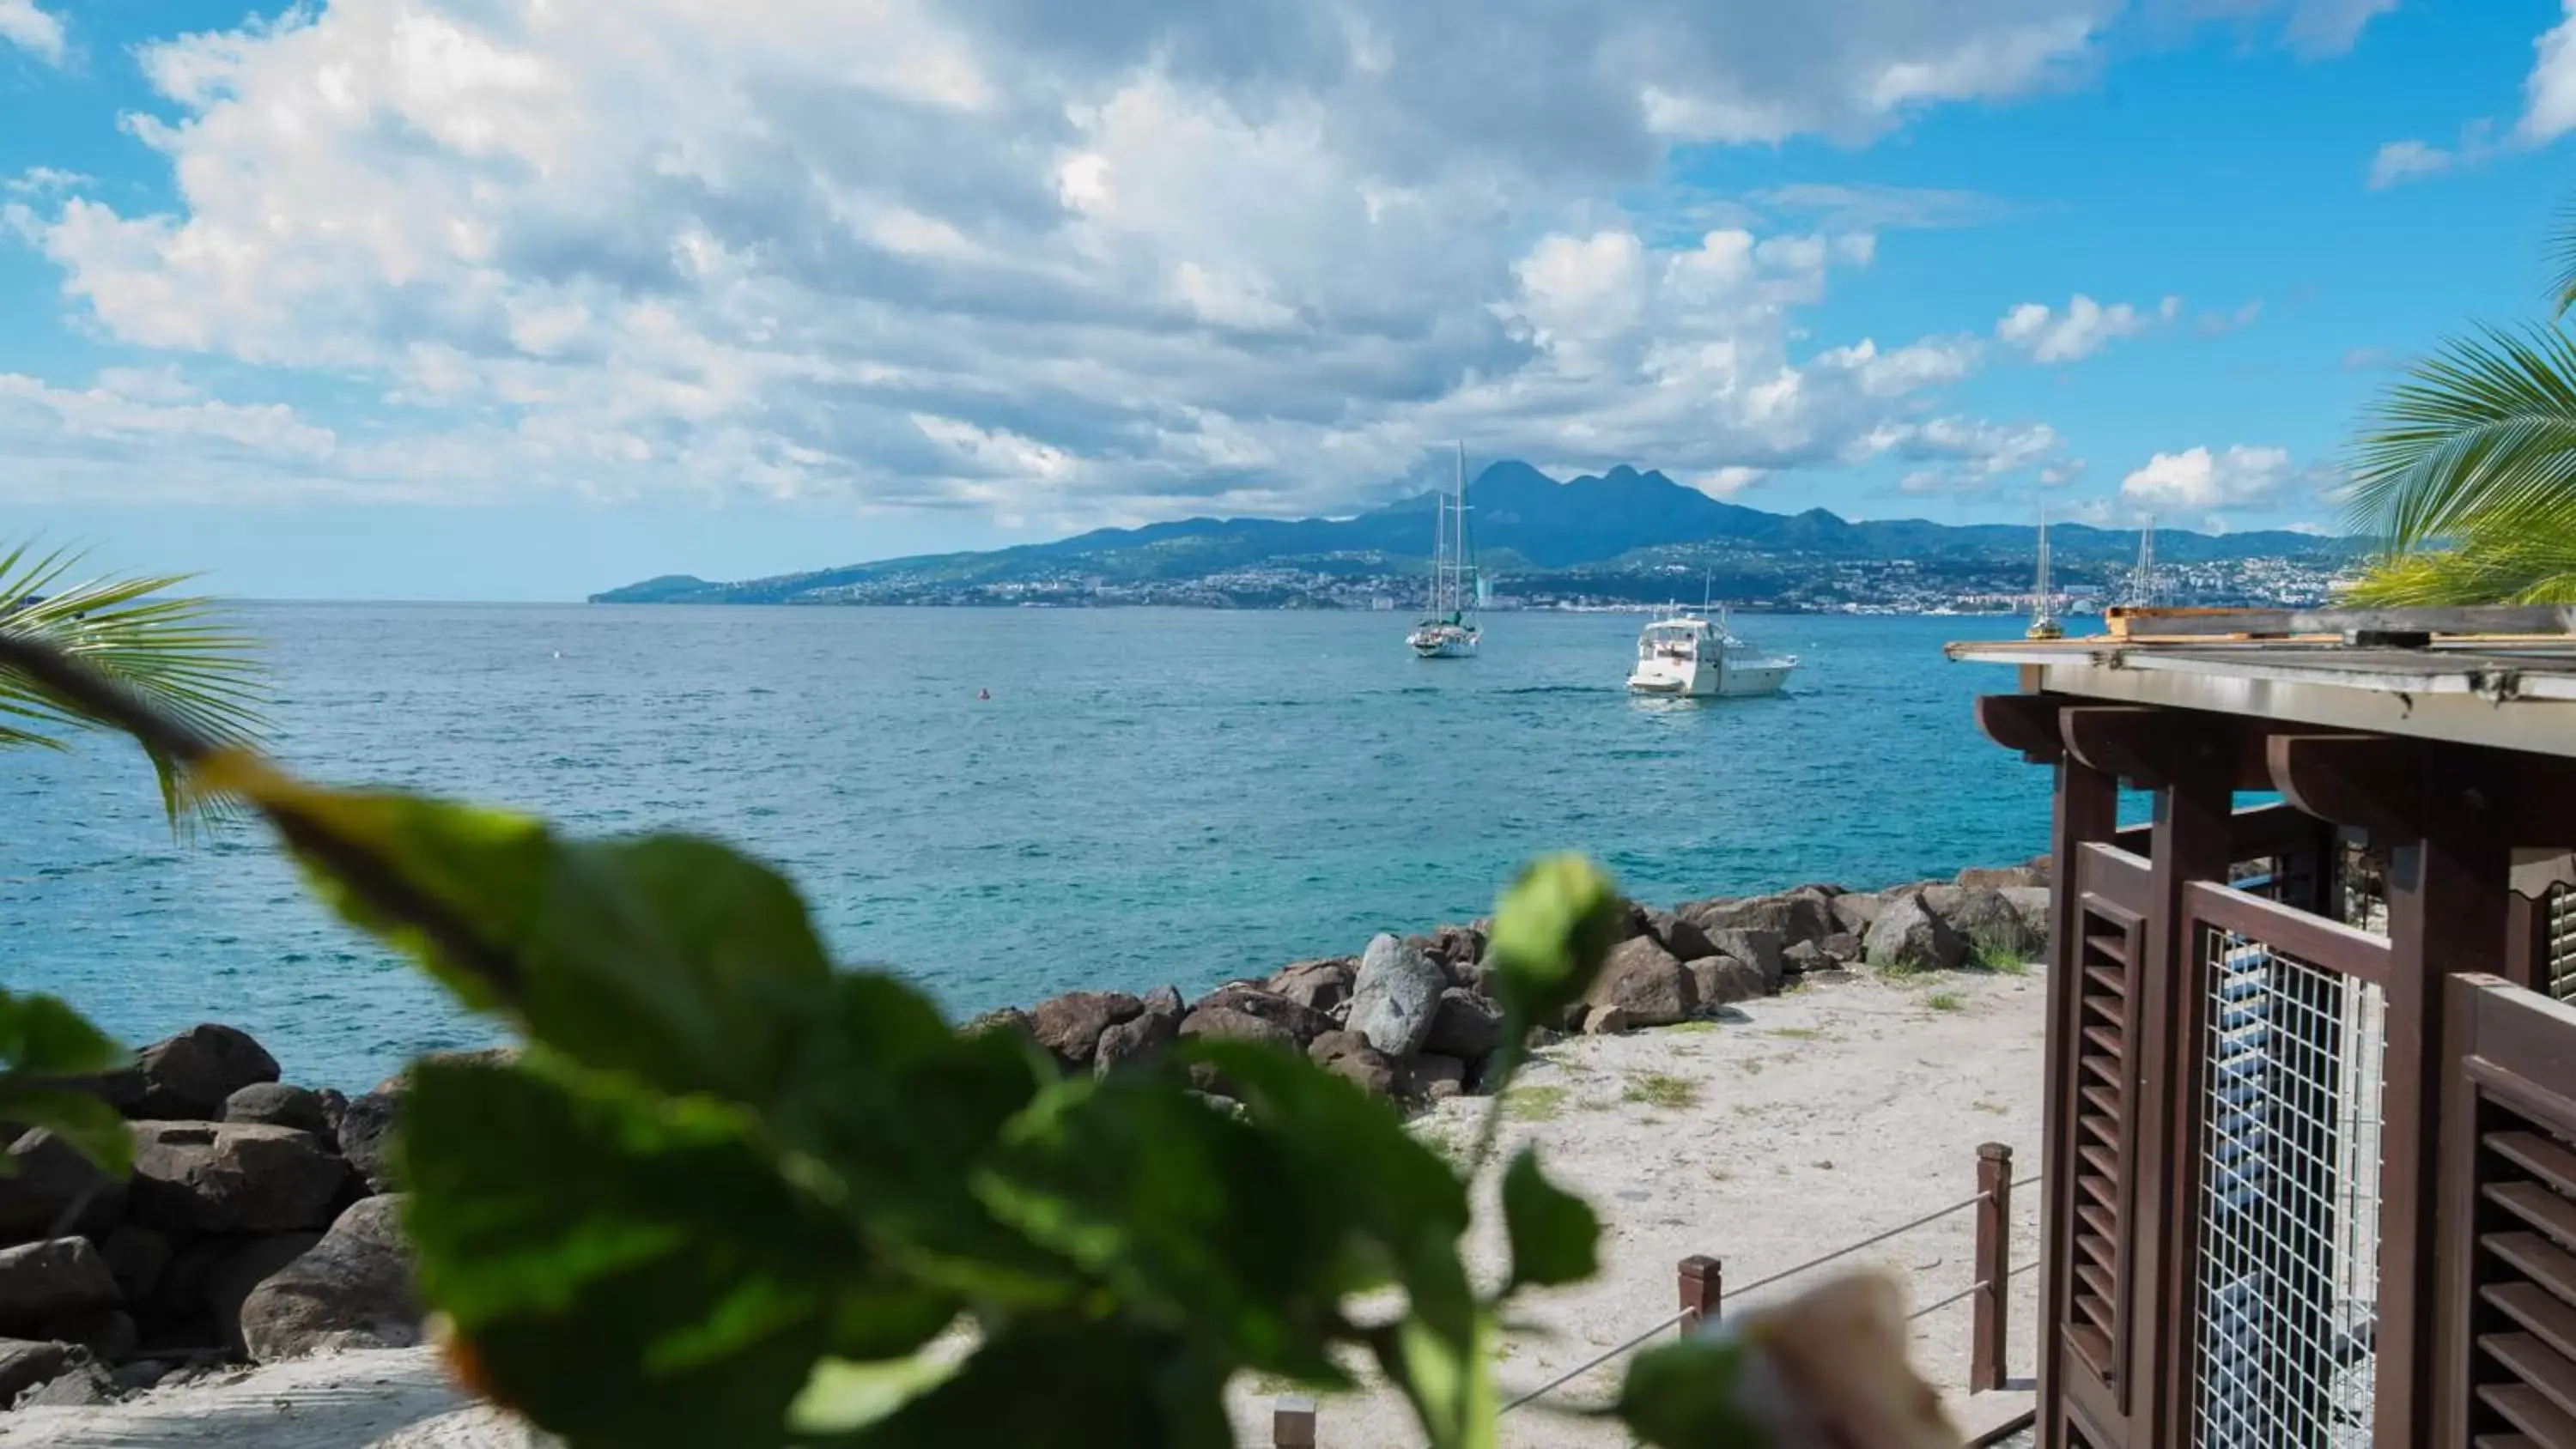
(2309,1166)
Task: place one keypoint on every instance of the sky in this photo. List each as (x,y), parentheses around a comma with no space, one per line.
(524,299)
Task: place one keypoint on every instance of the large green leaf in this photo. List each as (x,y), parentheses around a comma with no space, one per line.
(1689,1395)
(1554,927)
(1068,1384)
(1554,1236)
(675,959)
(1196,1220)
(635,1270)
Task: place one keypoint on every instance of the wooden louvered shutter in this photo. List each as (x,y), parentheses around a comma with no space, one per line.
(2096,1314)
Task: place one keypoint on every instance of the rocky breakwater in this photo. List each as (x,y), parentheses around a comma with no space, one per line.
(1413,1018)
(257,1224)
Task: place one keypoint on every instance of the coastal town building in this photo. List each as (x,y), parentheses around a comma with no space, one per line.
(2309,1156)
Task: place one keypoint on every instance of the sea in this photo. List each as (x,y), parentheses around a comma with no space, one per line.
(1005,803)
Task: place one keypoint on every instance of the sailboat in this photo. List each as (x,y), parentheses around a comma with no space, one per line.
(2043,613)
(1449,630)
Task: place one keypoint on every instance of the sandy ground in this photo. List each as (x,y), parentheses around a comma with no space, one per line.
(1800,1124)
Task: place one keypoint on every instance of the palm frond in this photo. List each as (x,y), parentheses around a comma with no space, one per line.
(2562,262)
(2487,423)
(172,650)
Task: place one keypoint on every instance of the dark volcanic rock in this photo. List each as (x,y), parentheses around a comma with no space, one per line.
(1759,948)
(53,1183)
(1806,956)
(187,1077)
(1141,1038)
(1805,915)
(1227,1023)
(1395,996)
(1006,1018)
(1996,931)
(1997,877)
(366,1135)
(1434,1077)
(1069,1026)
(232,1177)
(276,1104)
(1724,981)
(108,1333)
(81,1386)
(1842,947)
(1320,985)
(136,1255)
(25,1363)
(1684,939)
(1640,985)
(231,1282)
(1301,1022)
(57,1278)
(1909,937)
(352,1290)
(1464,1025)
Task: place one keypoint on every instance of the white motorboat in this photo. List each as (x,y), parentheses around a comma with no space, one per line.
(1689,655)
(1450,631)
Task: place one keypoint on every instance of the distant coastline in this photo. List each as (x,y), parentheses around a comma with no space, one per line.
(1625,538)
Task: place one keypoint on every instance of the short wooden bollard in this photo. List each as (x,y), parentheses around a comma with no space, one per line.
(1994,1267)
(1292,1422)
(1702,1282)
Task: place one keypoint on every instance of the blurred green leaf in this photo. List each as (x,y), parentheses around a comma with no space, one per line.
(42,1036)
(1193,1218)
(633,1270)
(1552,930)
(1688,1395)
(1059,1384)
(94,1129)
(1448,1379)
(1554,1235)
(843,1396)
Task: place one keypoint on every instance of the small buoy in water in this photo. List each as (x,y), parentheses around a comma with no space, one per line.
(983,694)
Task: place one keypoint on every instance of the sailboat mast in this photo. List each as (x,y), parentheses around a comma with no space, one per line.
(2039,602)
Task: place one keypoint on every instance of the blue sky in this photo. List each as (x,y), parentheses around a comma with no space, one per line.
(482,299)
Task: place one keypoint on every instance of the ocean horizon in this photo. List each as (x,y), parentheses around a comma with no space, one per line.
(1149,795)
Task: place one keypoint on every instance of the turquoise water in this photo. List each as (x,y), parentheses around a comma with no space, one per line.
(1148,796)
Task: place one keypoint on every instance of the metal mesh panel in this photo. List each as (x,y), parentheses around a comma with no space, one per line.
(2289,1215)
(2562,943)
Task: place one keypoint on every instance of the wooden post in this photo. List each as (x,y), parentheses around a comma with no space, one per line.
(1994,1267)
(2086,809)
(1292,1422)
(1701,1284)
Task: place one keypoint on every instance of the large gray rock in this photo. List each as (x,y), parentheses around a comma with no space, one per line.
(365,1131)
(1140,1039)
(1009,1019)
(2032,902)
(1069,1026)
(1302,1023)
(1724,980)
(1999,877)
(1323,985)
(57,1278)
(1854,914)
(352,1290)
(1396,996)
(233,1177)
(81,1386)
(25,1363)
(276,1104)
(1909,937)
(1224,1023)
(1995,931)
(1804,915)
(1762,949)
(1464,1025)
(187,1077)
(55,1189)
(1454,949)
(1804,957)
(1640,985)
(1842,947)
(230,1283)
(1685,939)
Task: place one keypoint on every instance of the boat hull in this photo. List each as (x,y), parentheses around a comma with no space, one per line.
(1443,646)
(1693,680)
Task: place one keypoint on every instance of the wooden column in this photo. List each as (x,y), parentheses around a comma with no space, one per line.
(1703,1287)
(2447,909)
(1989,1344)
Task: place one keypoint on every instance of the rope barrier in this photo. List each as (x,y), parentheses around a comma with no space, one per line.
(1977,1287)
(1733,1292)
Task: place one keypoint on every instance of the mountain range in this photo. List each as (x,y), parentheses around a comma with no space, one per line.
(1525,524)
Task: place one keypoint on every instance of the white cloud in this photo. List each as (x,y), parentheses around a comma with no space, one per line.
(1968,455)
(25,26)
(1066,264)
(2197,479)
(2310,28)
(2549,92)
(2084,328)
(2399,162)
